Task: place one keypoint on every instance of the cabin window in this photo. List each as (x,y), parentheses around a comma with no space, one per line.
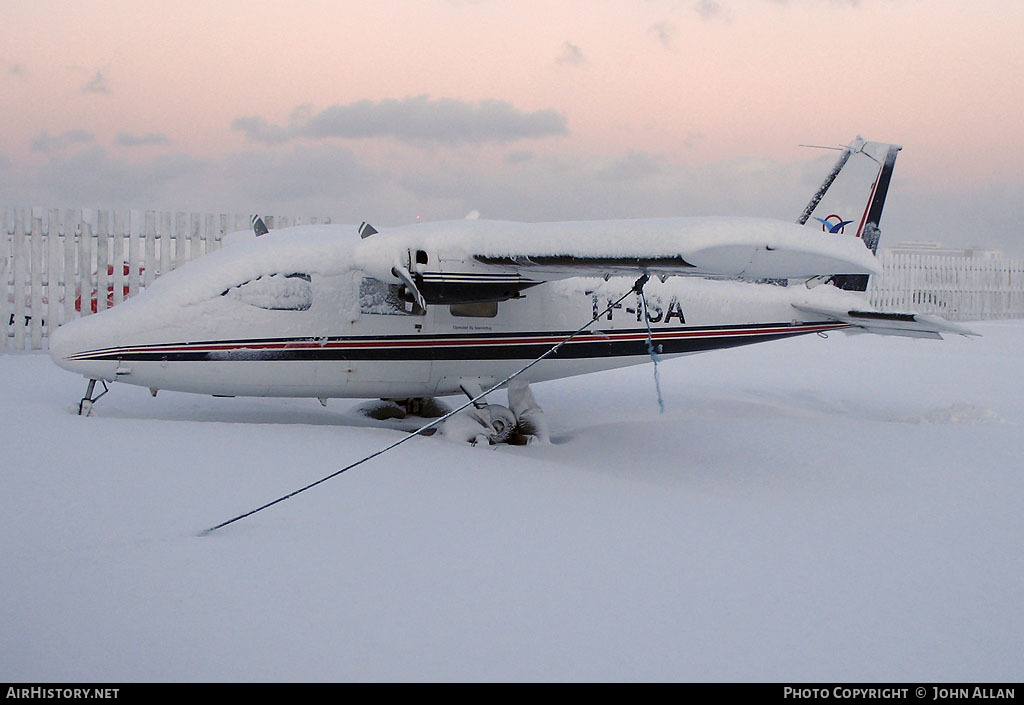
(386,299)
(275,292)
(476,309)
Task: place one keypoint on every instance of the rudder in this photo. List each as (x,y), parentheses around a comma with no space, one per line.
(849,202)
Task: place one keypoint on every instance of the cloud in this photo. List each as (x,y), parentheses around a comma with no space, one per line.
(323,173)
(571,55)
(842,3)
(97,84)
(392,184)
(665,32)
(633,167)
(257,129)
(17,70)
(127,139)
(45,143)
(414,120)
(92,178)
(518,157)
(712,9)
(985,215)
(329,179)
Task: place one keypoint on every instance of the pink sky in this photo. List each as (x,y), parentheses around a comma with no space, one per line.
(667,107)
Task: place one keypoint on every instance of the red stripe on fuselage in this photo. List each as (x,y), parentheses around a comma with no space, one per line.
(461,342)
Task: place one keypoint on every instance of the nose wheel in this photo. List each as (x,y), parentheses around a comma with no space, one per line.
(85,405)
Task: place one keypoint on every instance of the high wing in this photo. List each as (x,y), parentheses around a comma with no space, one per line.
(477,260)
(912,325)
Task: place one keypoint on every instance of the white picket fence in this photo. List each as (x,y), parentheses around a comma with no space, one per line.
(958,288)
(59,264)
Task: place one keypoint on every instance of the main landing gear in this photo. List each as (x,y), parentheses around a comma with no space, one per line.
(388,409)
(522,422)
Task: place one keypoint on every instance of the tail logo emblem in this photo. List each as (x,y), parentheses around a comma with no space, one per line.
(835,227)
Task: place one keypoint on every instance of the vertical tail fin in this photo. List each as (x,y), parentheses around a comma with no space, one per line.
(850,200)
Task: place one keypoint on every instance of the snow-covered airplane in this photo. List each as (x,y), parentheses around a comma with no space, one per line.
(434,309)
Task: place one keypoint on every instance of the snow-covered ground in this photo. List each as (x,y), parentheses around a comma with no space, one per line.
(846,509)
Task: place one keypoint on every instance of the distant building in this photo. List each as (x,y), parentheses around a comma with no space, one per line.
(934,248)
(964,284)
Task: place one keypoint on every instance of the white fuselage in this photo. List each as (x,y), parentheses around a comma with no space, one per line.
(350,336)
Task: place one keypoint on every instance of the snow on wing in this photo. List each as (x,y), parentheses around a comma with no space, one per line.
(728,247)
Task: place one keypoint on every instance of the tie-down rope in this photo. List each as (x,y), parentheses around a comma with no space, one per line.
(638,287)
(654,355)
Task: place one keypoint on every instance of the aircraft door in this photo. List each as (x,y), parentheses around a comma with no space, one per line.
(389,359)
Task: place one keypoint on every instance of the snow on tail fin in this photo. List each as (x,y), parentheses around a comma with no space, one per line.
(850,200)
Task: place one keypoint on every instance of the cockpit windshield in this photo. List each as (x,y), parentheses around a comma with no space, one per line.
(386,299)
(275,292)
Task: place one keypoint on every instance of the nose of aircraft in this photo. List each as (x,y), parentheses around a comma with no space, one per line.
(72,340)
(62,344)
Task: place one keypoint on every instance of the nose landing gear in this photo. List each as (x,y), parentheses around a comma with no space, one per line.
(85,405)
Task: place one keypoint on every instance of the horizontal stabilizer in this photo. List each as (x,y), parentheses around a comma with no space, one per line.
(911,325)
